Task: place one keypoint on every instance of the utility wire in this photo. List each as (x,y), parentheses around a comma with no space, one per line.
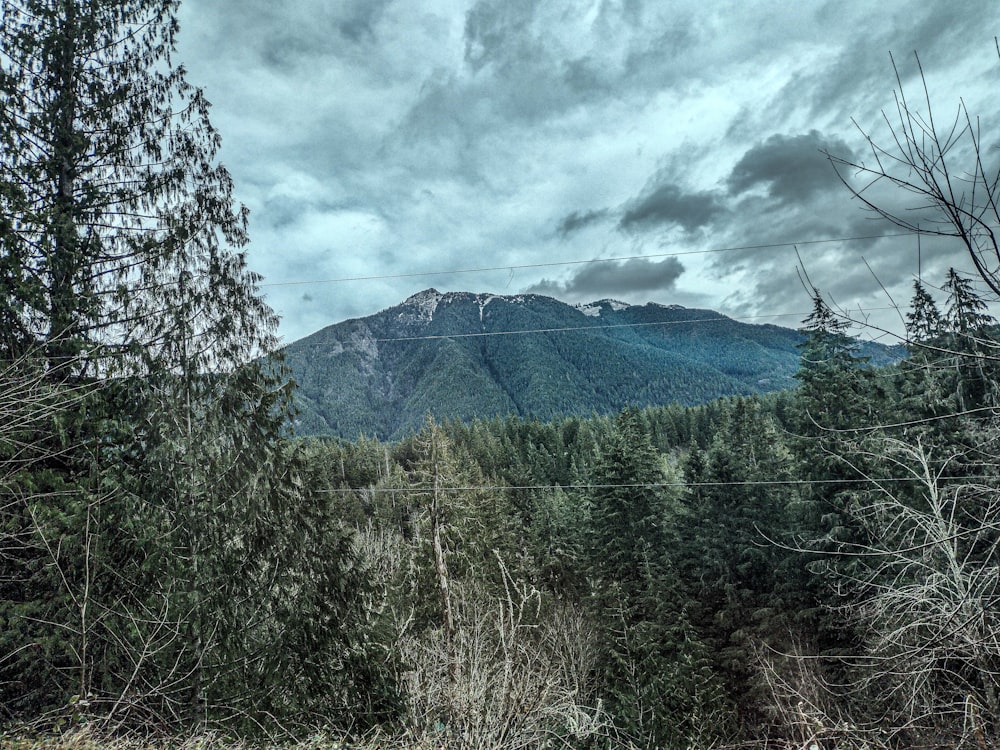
(477,334)
(649,485)
(553,264)
(909,423)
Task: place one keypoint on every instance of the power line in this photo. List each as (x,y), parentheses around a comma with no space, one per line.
(909,423)
(552,264)
(649,485)
(478,334)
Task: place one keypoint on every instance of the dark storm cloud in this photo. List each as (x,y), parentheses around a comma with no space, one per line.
(790,167)
(667,205)
(852,276)
(604,279)
(578,220)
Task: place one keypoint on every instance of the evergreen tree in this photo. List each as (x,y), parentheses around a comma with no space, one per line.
(628,506)
(970,341)
(743,587)
(651,656)
(161,539)
(919,382)
(833,378)
(121,228)
(836,394)
(923,321)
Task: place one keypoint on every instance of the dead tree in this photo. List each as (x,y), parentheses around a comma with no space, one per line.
(940,164)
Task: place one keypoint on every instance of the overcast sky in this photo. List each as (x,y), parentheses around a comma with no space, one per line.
(382,143)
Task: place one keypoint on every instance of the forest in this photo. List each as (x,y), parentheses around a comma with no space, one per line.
(812,568)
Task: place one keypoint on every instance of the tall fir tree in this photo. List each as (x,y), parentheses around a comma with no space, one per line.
(838,394)
(971,345)
(919,380)
(835,395)
(654,672)
(923,321)
(161,538)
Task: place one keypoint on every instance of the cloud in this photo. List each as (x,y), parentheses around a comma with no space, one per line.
(359,19)
(491,25)
(381,138)
(791,168)
(854,79)
(666,205)
(577,220)
(584,77)
(597,280)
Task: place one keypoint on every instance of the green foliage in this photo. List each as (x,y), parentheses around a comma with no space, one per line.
(653,670)
(171,558)
(380,375)
(163,563)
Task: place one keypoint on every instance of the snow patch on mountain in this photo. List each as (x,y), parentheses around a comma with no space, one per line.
(484,300)
(593,309)
(666,307)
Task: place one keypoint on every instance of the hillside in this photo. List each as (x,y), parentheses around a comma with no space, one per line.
(463,355)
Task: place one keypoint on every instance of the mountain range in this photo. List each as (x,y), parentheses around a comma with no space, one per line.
(463,355)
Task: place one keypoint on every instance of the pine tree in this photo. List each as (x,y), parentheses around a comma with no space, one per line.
(970,343)
(650,654)
(923,322)
(169,490)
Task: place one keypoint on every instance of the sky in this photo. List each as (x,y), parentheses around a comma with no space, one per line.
(669,151)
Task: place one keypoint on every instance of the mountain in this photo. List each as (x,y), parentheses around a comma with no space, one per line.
(463,355)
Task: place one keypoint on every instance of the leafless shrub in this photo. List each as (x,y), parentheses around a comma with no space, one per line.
(921,583)
(806,710)
(520,677)
(927,586)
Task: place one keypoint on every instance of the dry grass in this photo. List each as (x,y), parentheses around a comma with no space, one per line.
(88,740)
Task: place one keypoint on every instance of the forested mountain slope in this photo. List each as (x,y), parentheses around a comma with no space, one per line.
(463,355)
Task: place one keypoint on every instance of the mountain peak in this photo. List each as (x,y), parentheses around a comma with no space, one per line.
(593,309)
(420,306)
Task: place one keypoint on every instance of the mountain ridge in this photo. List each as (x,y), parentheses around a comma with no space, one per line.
(465,355)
